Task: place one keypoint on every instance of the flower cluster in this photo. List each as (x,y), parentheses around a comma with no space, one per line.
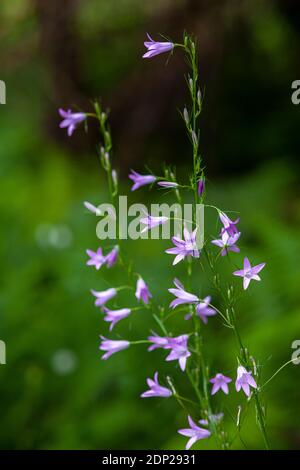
(186,349)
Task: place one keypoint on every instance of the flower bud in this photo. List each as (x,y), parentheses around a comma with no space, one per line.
(201,186)
(186,116)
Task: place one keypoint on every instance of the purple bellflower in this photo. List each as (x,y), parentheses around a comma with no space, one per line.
(114,316)
(156,390)
(203,310)
(140,180)
(179,350)
(156,48)
(103,296)
(111,346)
(229,225)
(227,242)
(112,257)
(183,248)
(158,342)
(194,432)
(249,272)
(178,346)
(151,222)
(96,258)
(220,382)
(142,292)
(71,120)
(182,297)
(244,380)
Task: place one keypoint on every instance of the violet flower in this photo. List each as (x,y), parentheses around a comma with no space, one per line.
(158,342)
(96,258)
(195,433)
(103,296)
(114,316)
(179,350)
(182,296)
(151,222)
(203,310)
(156,48)
(167,184)
(111,346)
(142,292)
(140,180)
(112,257)
(156,390)
(227,242)
(249,272)
(220,382)
(183,248)
(178,346)
(229,225)
(71,120)
(244,380)
(92,208)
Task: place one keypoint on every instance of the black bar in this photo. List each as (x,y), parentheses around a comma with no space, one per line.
(138,458)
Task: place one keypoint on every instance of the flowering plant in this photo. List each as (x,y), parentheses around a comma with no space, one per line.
(188,349)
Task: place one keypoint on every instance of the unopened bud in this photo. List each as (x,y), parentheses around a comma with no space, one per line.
(114,177)
(199,96)
(186,116)
(201,186)
(106,158)
(194,138)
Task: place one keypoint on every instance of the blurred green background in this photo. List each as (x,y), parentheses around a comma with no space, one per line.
(55,392)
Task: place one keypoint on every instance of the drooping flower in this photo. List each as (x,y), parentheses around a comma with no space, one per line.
(112,257)
(229,225)
(201,186)
(220,382)
(178,346)
(179,350)
(183,248)
(194,432)
(103,296)
(244,380)
(114,316)
(156,48)
(92,208)
(142,292)
(182,296)
(140,180)
(151,221)
(96,258)
(167,184)
(249,272)
(203,310)
(157,342)
(155,389)
(112,346)
(71,120)
(227,242)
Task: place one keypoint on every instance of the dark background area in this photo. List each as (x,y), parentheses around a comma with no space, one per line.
(55,392)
